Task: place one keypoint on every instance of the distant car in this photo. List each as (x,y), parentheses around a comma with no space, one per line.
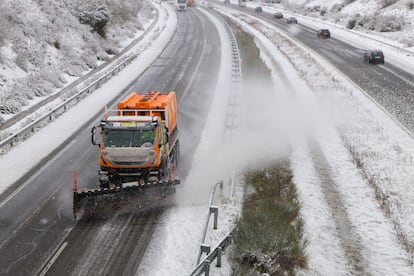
(323,33)
(291,20)
(278,15)
(258,9)
(374,57)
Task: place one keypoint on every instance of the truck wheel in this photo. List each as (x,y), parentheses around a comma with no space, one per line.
(103,184)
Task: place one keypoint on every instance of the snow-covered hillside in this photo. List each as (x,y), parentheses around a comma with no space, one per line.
(393,19)
(43,43)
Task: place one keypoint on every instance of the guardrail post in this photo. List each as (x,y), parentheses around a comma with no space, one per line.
(207,268)
(219,252)
(214,210)
(205,248)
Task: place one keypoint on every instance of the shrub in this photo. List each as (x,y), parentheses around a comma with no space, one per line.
(93,14)
(337,7)
(57,44)
(268,237)
(378,23)
(386,3)
(9,106)
(316,8)
(410,4)
(388,24)
(351,23)
(123,11)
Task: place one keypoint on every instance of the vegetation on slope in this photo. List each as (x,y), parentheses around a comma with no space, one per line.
(268,237)
(43,41)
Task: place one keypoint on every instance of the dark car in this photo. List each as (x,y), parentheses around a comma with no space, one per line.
(258,9)
(323,33)
(292,20)
(278,15)
(374,57)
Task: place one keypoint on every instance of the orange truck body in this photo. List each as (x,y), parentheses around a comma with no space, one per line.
(152,101)
(139,140)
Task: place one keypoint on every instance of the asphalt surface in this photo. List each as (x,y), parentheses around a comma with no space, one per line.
(388,85)
(37,230)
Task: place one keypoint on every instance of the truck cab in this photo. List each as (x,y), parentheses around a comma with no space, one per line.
(134,140)
(131,148)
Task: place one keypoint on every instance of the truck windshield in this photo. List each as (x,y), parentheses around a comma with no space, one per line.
(127,137)
(181,1)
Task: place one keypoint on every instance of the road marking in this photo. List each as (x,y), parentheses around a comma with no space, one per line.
(398,75)
(190,82)
(21,187)
(50,263)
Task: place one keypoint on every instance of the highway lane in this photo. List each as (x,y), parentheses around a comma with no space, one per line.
(391,86)
(37,223)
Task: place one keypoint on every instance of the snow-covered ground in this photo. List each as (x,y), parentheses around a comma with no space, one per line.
(76,84)
(371,16)
(355,126)
(46,44)
(354,118)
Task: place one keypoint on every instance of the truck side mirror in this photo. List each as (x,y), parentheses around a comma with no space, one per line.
(93,136)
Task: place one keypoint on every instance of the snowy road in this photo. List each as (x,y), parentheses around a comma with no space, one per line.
(44,227)
(389,85)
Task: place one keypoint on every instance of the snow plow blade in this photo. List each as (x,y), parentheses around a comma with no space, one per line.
(104,201)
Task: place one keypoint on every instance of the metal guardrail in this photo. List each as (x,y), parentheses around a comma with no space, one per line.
(211,210)
(49,116)
(216,253)
(231,115)
(26,131)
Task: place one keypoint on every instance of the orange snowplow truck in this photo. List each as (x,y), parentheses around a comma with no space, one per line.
(138,142)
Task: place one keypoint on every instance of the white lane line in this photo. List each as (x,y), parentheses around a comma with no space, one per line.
(398,76)
(196,69)
(50,263)
(21,187)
